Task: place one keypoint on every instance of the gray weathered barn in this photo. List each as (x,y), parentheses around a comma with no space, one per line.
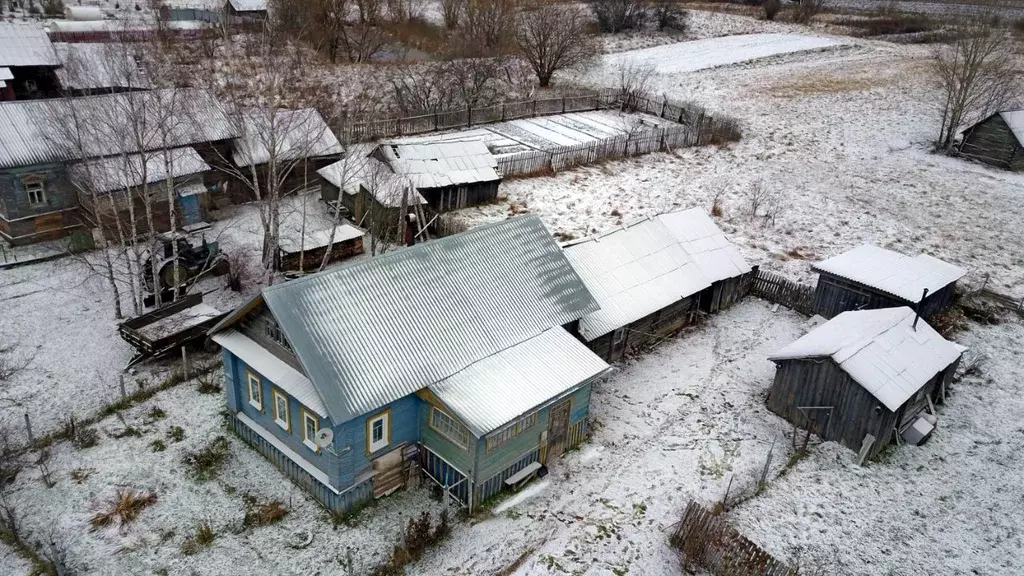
(27,62)
(997,140)
(863,377)
(869,277)
(652,277)
(449,175)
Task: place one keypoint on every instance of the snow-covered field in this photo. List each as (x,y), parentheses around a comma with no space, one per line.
(714,52)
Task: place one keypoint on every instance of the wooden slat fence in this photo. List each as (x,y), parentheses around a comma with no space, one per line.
(782,290)
(707,541)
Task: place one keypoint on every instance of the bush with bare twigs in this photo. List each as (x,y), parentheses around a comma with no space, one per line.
(614,16)
(206,463)
(554,37)
(123,509)
(806,10)
(635,80)
(771,9)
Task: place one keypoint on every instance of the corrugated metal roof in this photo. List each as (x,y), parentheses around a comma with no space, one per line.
(270,367)
(638,270)
(442,164)
(97,65)
(897,274)
(497,389)
(133,170)
(320,238)
(358,170)
(382,328)
(717,258)
(40,131)
(880,350)
(290,134)
(24,44)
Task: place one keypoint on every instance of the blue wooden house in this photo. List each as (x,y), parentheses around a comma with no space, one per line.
(448,358)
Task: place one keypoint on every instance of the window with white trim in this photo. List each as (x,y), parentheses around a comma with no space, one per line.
(281,410)
(449,427)
(501,437)
(255,387)
(378,432)
(310,426)
(35,188)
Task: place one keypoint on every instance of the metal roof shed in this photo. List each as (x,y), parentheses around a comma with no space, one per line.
(868,372)
(997,140)
(869,277)
(450,175)
(23,44)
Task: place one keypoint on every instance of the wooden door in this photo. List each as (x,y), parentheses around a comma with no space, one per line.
(558,429)
(618,344)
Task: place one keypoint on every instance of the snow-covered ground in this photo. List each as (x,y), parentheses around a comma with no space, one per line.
(714,52)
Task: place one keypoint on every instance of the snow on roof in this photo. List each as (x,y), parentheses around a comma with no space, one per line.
(23,44)
(39,131)
(248,5)
(717,258)
(358,170)
(442,164)
(121,26)
(6,74)
(897,274)
(123,172)
(1015,120)
(320,238)
(632,272)
(285,134)
(96,65)
(379,329)
(497,389)
(270,367)
(880,350)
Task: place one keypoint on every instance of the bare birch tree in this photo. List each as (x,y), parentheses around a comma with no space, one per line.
(553,37)
(977,75)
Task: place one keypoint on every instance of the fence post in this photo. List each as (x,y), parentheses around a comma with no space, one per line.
(120,381)
(534,106)
(469,116)
(502,111)
(435,121)
(184,362)
(563,104)
(28,428)
(664,103)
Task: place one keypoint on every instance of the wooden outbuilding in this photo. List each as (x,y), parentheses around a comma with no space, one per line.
(450,175)
(869,277)
(306,253)
(865,378)
(28,62)
(369,191)
(997,140)
(652,277)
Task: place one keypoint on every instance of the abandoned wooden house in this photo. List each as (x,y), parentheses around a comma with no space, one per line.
(28,62)
(865,378)
(449,175)
(100,68)
(295,143)
(38,199)
(997,140)
(651,278)
(305,253)
(357,380)
(370,193)
(869,277)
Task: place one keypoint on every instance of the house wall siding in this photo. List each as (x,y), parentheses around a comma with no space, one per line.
(404,421)
(24,223)
(457,456)
(646,331)
(450,198)
(834,295)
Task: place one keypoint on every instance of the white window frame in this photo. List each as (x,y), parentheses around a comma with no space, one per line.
(451,429)
(254,401)
(35,185)
(310,442)
(384,418)
(285,421)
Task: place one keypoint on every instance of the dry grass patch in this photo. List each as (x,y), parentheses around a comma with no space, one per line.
(123,509)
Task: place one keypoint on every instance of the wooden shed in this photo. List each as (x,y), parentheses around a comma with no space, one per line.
(449,175)
(343,242)
(652,277)
(996,140)
(28,62)
(869,277)
(864,378)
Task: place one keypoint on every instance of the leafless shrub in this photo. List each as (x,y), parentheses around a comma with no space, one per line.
(757,194)
(775,204)
(420,90)
(771,9)
(452,11)
(635,80)
(669,15)
(488,26)
(123,509)
(976,75)
(554,37)
(206,463)
(361,42)
(474,81)
(239,274)
(806,10)
(716,201)
(518,79)
(43,463)
(616,16)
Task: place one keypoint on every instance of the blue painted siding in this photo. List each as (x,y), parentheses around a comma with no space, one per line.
(580,404)
(404,422)
(458,456)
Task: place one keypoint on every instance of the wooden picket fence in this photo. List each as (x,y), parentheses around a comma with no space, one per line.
(708,541)
(782,290)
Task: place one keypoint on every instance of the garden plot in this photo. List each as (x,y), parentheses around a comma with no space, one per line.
(548,132)
(715,52)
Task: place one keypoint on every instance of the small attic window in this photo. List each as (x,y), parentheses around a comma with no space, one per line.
(394,150)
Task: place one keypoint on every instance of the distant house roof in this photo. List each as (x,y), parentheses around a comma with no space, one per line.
(23,44)
(648,265)
(897,274)
(880,350)
(248,5)
(133,170)
(286,135)
(98,65)
(497,389)
(442,164)
(376,330)
(320,238)
(357,169)
(38,131)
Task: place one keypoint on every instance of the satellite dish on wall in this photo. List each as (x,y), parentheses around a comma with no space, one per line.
(324,437)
